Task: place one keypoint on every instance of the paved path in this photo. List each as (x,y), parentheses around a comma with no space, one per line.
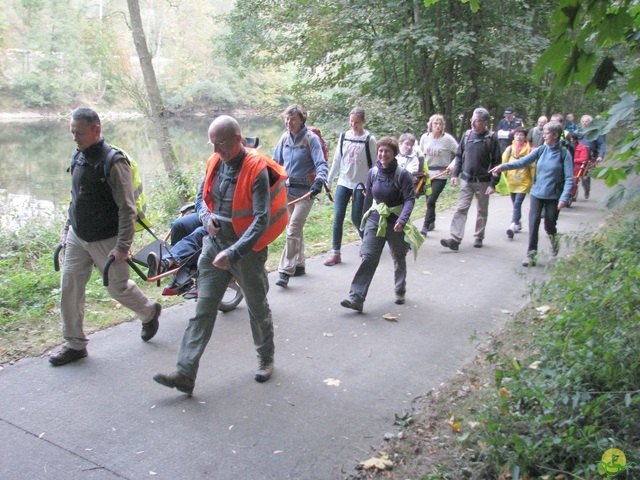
(104,418)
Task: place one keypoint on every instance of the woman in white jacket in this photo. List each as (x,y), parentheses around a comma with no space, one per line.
(354,156)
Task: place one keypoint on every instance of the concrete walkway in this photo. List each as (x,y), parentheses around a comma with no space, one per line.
(340,376)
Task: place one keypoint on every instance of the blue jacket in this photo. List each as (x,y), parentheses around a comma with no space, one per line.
(554,172)
(303,160)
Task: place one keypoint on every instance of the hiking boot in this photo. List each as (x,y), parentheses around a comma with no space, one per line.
(283,280)
(150,328)
(555,244)
(265,369)
(300,270)
(67,355)
(352,304)
(399,299)
(531,260)
(477,243)
(450,243)
(334,260)
(176,380)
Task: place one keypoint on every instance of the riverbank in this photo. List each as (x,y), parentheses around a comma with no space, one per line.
(44,114)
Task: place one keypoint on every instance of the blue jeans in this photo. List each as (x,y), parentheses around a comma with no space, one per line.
(183,226)
(187,246)
(343,195)
(517,199)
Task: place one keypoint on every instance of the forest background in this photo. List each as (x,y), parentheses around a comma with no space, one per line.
(401,60)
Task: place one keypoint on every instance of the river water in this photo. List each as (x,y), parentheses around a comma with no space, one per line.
(34,156)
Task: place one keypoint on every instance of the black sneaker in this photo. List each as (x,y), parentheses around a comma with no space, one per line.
(300,270)
(450,243)
(477,243)
(431,227)
(265,369)
(67,355)
(283,280)
(150,328)
(399,299)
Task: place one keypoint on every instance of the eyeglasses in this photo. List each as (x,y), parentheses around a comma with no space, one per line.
(219,144)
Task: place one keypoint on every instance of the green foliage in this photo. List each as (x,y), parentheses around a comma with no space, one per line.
(596,44)
(579,394)
(408,59)
(37,89)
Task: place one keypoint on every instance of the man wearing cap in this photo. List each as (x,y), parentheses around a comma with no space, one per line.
(506,127)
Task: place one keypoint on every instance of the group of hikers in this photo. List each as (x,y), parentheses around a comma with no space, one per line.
(248,199)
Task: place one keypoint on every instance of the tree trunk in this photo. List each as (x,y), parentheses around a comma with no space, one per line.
(157,113)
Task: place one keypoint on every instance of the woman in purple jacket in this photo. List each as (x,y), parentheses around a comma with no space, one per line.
(388,203)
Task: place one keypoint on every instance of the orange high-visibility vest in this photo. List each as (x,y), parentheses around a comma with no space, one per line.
(242,208)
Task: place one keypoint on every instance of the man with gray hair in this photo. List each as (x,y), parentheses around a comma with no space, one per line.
(101,224)
(478,152)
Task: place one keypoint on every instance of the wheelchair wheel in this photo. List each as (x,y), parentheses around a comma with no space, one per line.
(232,297)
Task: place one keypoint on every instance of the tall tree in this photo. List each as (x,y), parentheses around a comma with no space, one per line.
(406,59)
(597,44)
(156,106)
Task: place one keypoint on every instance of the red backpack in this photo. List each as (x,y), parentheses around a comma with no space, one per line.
(316,130)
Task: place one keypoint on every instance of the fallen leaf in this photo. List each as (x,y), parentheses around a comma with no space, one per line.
(535,365)
(332,382)
(544,309)
(454,424)
(378,463)
(390,318)
(504,392)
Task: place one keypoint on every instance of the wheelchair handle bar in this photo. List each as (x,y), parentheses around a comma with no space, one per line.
(110,260)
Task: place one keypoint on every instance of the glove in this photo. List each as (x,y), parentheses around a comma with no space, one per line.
(316,188)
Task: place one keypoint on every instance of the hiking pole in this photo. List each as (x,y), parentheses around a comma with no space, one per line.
(298,200)
(444,172)
(328,191)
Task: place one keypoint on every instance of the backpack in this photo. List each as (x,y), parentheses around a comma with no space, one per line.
(109,153)
(316,130)
(396,176)
(491,137)
(310,130)
(353,140)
